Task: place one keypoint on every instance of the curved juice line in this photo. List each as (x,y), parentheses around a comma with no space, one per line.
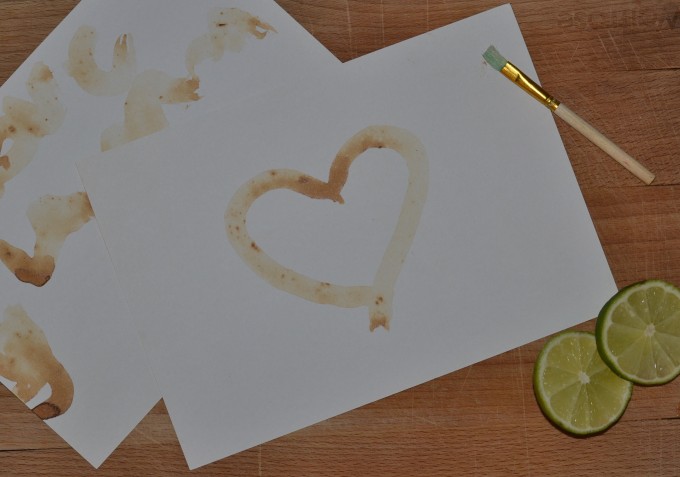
(377,297)
(83,68)
(27,359)
(228,29)
(53,219)
(149,90)
(62,391)
(143,110)
(269,269)
(413,151)
(25,123)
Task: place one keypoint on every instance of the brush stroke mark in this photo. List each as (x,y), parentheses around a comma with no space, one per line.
(150,90)
(143,110)
(83,68)
(377,297)
(227,31)
(53,218)
(27,359)
(24,123)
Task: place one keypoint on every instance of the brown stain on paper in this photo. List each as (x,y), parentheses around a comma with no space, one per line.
(26,122)
(148,91)
(378,296)
(227,31)
(143,109)
(27,359)
(83,68)
(53,219)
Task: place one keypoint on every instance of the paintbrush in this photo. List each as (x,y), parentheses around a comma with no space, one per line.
(510,71)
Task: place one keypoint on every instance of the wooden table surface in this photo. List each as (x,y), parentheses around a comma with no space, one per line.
(615,62)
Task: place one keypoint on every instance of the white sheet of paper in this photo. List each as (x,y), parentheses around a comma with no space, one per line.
(80,309)
(504,251)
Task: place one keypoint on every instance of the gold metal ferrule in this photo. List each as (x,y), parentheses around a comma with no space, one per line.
(514,74)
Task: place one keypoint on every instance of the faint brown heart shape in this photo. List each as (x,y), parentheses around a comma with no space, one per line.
(378,297)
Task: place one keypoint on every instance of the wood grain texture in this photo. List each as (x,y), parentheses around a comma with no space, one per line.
(617,64)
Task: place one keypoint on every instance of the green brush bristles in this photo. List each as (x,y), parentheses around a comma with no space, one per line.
(494,58)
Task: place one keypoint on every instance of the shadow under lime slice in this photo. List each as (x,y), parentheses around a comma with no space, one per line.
(575,389)
(638,332)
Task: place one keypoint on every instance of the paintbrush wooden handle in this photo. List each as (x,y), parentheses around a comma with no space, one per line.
(605,144)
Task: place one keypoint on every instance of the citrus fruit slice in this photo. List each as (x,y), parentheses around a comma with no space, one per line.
(638,332)
(575,389)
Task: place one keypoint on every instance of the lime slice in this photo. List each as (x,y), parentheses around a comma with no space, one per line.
(574,387)
(638,332)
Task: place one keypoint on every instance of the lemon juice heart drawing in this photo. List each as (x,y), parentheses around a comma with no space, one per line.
(378,296)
